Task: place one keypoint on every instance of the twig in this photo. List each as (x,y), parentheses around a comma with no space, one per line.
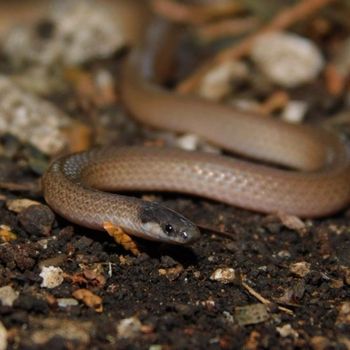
(194,14)
(282,20)
(33,187)
(228,27)
(263,300)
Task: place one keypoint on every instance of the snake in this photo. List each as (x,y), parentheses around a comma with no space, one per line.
(277,167)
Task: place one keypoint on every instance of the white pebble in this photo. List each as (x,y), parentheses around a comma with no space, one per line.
(188,142)
(287,331)
(31,119)
(8,295)
(285,254)
(294,112)
(216,84)
(52,276)
(66,302)
(129,327)
(224,275)
(287,59)
(83,30)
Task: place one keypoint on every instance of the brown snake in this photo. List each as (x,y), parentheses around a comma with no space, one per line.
(319,185)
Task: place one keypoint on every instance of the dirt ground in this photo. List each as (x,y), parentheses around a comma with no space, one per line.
(252,281)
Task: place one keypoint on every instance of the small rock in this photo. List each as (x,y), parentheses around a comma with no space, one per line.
(80,31)
(284,254)
(31,119)
(293,294)
(88,298)
(251,314)
(216,84)
(8,295)
(52,276)
(287,331)
(294,112)
(336,283)
(224,275)
(319,342)
(287,59)
(209,304)
(3,337)
(66,302)
(6,234)
(77,331)
(345,341)
(292,222)
(188,142)
(129,327)
(37,219)
(344,314)
(156,347)
(52,261)
(171,273)
(20,255)
(18,205)
(228,317)
(346,272)
(301,269)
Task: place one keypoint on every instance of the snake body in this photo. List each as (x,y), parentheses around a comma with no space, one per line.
(318,185)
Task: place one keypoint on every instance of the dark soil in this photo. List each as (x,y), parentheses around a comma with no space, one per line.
(168,292)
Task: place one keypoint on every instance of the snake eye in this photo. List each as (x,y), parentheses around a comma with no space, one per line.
(169,228)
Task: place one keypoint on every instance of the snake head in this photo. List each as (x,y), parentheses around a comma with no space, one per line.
(163,224)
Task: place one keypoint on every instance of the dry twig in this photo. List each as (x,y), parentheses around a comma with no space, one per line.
(263,300)
(228,27)
(194,14)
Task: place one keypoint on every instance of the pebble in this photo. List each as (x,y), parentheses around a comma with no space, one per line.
(172,273)
(251,314)
(155,347)
(294,112)
(6,234)
(224,275)
(37,219)
(67,302)
(287,59)
(292,222)
(52,277)
(76,32)
(56,260)
(129,327)
(188,142)
(89,298)
(192,142)
(320,342)
(18,205)
(8,295)
(343,314)
(31,119)
(346,272)
(77,331)
(3,337)
(217,83)
(286,331)
(284,254)
(300,269)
